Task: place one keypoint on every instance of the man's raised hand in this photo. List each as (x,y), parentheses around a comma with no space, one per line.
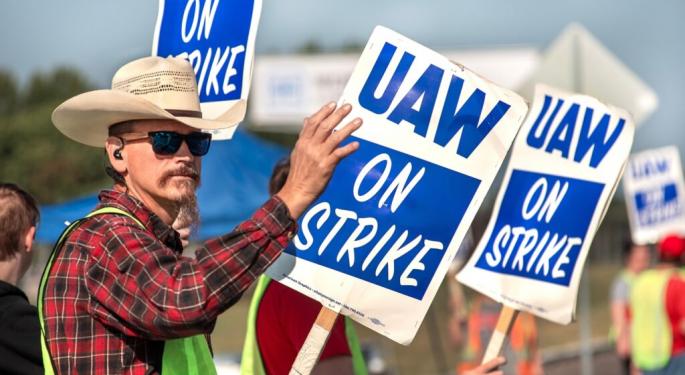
(315,156)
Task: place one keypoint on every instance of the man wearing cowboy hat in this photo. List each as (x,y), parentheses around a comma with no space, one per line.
(117,296)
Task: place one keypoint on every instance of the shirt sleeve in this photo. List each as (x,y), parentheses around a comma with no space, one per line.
(679,300)
(145,289)
(620,291)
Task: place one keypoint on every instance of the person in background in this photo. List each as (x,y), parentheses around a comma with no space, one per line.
(280,318)
(279,321)
(521,348)
(458,313)
(637,259)
(462,326)
(657,305)
(19,327)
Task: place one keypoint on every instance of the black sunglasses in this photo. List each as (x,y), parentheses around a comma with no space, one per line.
(168,142)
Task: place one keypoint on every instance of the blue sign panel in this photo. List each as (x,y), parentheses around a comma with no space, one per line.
(393,218)
(214,37)
(658,204)
(542,223)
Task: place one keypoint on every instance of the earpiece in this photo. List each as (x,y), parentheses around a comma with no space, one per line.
(117,153)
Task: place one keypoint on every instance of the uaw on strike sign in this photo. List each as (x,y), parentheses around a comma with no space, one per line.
(565,165)
(655,194)
(377,243)
(218,38)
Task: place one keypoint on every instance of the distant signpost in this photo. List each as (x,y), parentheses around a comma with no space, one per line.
(577,62)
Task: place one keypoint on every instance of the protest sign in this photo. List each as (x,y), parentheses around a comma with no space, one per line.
(218,38)
(654,191)
(564,169)
(378,241)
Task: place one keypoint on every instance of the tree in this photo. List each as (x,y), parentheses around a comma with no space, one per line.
(60,84)
(8,93)
(35,154)
(310,48)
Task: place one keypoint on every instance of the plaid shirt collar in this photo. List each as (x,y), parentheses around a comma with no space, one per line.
(152,222)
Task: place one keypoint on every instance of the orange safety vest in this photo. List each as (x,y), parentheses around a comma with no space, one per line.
(522,338)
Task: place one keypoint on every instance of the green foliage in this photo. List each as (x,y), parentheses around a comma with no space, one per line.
(8,93)
(60,84)
(310,48)
(33,153)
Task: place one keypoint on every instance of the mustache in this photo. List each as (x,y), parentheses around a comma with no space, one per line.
(185,171)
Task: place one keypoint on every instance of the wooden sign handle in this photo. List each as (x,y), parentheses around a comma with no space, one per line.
(313,345)
(506,319)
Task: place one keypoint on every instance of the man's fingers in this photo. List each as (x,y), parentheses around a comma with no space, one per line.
(342,152)
(330,122)
(491,366)
(497,361)
(312,122)
(488,368)
(334,139)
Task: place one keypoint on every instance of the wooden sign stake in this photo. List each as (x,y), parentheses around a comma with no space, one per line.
(313,345)
(506,319)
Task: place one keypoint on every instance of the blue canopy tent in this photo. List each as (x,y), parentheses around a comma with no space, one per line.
(235,176)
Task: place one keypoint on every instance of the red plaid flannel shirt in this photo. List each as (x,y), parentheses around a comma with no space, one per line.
(117,291)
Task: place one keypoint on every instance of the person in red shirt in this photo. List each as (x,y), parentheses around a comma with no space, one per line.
(281,339)
(284,318)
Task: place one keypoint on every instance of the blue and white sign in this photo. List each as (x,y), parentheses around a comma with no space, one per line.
(655,194)
(564,169)
(377,243)
(217,37)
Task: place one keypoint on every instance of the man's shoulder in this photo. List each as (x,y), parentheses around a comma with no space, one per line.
(93,231)
(106,222)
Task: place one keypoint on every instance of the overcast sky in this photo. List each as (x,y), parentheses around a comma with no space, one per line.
(97,35)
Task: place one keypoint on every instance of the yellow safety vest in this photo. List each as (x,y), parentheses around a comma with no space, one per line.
(251,361)
(650,334)
(184,356)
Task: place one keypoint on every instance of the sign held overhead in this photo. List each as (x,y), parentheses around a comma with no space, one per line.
(655,194)
(377,243)
(564,168)
(217,37)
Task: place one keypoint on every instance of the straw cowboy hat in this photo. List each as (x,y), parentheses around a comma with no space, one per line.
(145,89)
